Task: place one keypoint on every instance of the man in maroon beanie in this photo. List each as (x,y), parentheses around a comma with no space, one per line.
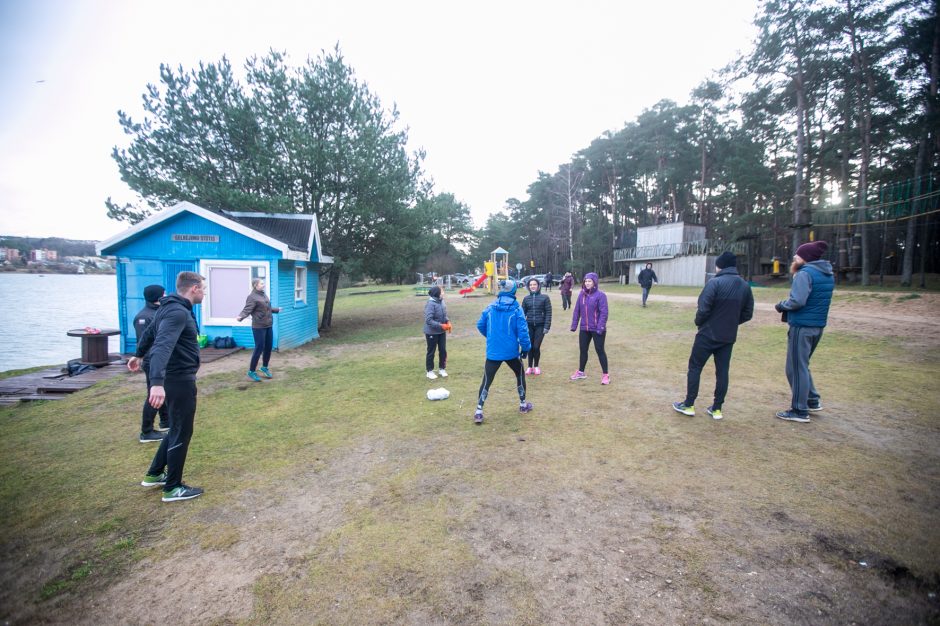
(807,310)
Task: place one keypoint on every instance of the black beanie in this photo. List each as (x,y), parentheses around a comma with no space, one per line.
(434,292)
(727,259)
(152,293)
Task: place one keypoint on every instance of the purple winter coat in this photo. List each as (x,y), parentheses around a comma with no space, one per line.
(590,308)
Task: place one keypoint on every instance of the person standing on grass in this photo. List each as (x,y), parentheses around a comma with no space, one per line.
(537,308)
(174,361)
(806,311)
(149,432)
(548,281)
(591,311)
(567,282)
(258,306)
(647,279)
(725,303)
(436,325)
(507,341)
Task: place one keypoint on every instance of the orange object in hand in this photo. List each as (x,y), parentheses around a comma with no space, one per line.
(446,326)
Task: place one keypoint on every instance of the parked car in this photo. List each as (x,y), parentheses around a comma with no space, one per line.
(523,283)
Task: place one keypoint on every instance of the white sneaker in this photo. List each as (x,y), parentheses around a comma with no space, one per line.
(442,372)
(432,376)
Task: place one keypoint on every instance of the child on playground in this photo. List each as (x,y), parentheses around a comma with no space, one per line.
(538,315)
(591,311)
(507,339)
(436,325)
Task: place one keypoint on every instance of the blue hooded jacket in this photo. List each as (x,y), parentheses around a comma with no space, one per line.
(504,326)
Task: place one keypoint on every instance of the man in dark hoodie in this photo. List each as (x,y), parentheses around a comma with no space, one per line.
(174,360)
(149,434)
(646,279)
(724,304)
(806,310)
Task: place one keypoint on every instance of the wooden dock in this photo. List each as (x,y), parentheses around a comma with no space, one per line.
(55,384)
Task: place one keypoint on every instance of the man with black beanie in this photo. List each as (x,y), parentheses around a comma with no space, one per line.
(149,434)
(724,304)
(807,310)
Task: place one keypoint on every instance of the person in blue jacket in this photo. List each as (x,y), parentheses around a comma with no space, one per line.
(507,341)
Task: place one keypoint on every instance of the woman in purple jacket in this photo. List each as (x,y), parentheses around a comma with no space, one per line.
(591,310)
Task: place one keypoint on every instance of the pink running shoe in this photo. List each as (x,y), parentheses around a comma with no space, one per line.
(605,379)
(529,371)
(537,371)
(579,375)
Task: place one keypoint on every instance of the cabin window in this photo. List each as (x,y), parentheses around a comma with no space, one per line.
(228,284)
(300,284)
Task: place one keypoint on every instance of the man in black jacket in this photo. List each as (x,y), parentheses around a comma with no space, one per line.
(148,434)
(174,359)
(646,279)
(725,302)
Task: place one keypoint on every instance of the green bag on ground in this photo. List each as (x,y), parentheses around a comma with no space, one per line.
(203,340)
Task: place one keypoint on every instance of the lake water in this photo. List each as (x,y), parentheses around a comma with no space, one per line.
(37,311)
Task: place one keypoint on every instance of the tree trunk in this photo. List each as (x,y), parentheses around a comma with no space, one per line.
(799,195)
(907,264)
(332,283)
(865,86)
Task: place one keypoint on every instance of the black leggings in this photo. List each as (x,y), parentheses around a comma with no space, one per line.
(264,340)
(171,455)
(489,372)
(584,340)
(565,300)
(536,334)
(438,342)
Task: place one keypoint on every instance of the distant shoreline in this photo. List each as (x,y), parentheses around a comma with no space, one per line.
(34,270)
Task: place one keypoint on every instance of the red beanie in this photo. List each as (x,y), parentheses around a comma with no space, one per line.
(812,251)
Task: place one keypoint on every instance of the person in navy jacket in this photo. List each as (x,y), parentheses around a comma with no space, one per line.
(806,310)
(724,304)
(507,341)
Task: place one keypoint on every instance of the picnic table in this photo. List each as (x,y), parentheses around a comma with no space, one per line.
(94,344)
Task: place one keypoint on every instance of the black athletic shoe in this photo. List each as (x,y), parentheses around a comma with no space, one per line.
(182,492)
(151,437)
(162,428)
(814,406)
(792,416)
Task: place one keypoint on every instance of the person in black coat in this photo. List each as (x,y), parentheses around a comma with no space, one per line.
(148,433)
(724,304)
(174,360)
(647,279)
(538,316)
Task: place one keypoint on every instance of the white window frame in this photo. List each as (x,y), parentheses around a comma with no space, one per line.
(300,286)
(264,272)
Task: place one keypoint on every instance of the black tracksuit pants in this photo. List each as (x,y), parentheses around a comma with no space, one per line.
(149,413)
(439,343)
(701,350)
(171,455)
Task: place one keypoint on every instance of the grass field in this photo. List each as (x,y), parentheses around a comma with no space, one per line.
(337,493)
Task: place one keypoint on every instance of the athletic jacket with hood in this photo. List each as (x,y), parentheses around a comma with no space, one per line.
(590,309)
(172,341)
(504,326)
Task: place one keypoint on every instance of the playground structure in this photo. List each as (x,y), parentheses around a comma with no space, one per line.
(496,269)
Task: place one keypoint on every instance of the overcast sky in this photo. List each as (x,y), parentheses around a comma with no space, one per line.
(493,91)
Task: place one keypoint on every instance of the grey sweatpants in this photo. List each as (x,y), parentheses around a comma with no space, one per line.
(801,343)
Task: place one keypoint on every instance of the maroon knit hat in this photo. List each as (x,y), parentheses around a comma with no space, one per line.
(812,251)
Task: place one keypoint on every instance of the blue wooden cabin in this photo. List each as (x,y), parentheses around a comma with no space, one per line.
(229,248)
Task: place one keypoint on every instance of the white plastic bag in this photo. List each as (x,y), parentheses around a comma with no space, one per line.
(438,394)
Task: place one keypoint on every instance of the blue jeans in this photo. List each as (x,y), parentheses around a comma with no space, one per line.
(646,293)
(264,341)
